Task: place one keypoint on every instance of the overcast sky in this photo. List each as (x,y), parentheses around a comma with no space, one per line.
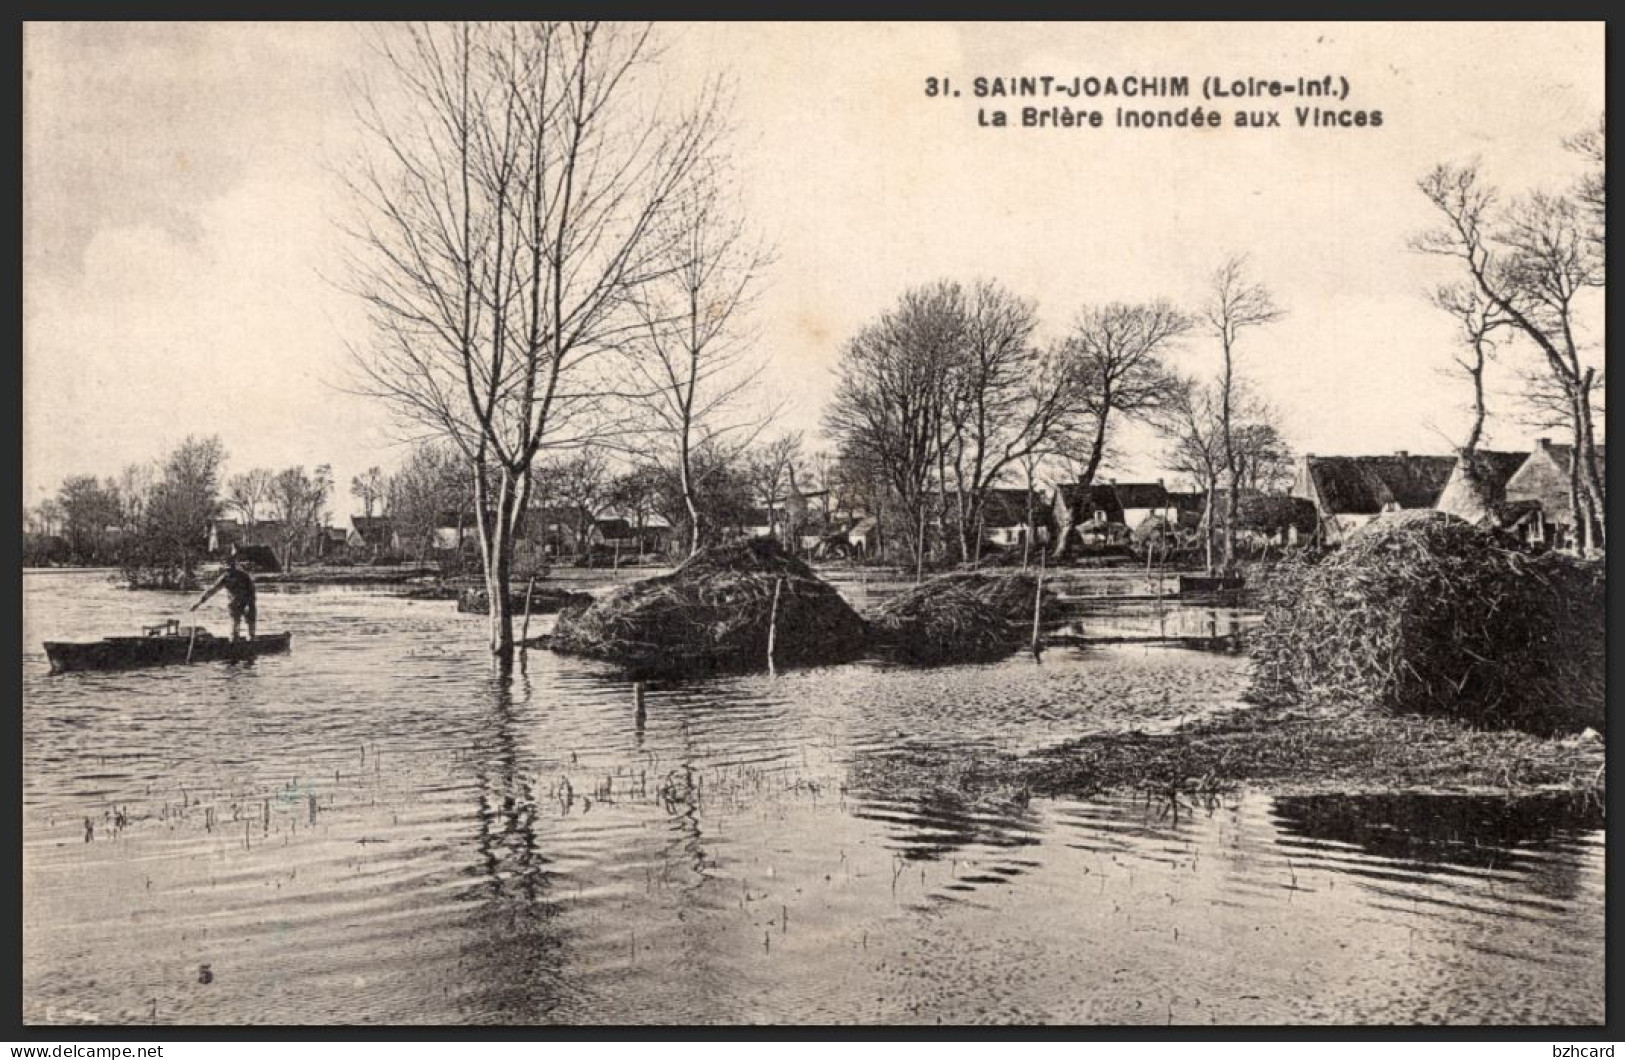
(180,197)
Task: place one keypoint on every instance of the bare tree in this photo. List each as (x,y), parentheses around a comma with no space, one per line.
(135,486)
(1008,401)
(245,492)
(1117,359)
(299,500)
(1530,263)
(430,482)
(511,205)
(1592,190)
(689,350)
(184,499)
(582,484)
(888,407)
(371,489)
(1234,304)
(1192,422)
(48,517)
(772,472)
(1477,321)
(1263,456)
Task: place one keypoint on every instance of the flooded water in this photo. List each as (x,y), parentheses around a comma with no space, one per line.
(373,829)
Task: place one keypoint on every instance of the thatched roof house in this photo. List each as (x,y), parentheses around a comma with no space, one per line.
(1096,502)
(1477,489)
(1350,491)
(373,533)
(1544,479)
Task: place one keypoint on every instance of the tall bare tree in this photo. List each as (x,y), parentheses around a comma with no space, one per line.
(1531,263)
(430,483)
(246,491)
(1477,320)
(690,351)
(888,408)
(580,483)
(510,205)
(1191,420)
(299,500)
(1234,304)
(1117,354)
(772,469)
(1592,190)
(1008,400)
(371,489)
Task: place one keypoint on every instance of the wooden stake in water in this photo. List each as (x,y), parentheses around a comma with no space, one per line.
(773,624)
(524,631)
(1038,607)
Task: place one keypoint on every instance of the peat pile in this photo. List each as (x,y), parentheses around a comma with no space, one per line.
(1422,612)
(714,612)
(960,617)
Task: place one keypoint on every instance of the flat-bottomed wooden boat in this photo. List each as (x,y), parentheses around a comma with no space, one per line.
(164,645)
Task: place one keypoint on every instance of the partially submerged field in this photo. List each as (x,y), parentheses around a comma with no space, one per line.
(1283,750)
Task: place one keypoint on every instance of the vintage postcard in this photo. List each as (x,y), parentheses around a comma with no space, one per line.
(1078,524)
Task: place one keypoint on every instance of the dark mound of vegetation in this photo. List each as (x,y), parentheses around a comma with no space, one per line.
(1426,613)
(544,600)
(958,617)
(715,612)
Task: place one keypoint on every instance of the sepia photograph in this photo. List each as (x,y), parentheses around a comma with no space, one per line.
(547,524)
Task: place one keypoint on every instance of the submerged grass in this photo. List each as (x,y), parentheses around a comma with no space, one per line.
(1280,748)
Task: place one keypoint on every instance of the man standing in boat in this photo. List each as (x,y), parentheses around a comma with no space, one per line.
(239,594)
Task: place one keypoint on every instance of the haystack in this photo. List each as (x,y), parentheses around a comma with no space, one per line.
(1420,611)
(959,617)
(714,612)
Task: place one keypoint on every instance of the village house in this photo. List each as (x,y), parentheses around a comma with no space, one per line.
(226,534)
(1142,500)
(1476,493)
(1350,491)
(864,536)
(1537,494)
(453,530)
(620,531)
(332,543)
(1004,515)
(373,535)
(223,535)
(1093,511)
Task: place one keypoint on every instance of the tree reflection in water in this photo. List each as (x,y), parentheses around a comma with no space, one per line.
(520,958)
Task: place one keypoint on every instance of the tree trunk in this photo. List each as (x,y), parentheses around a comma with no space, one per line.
(1096,451)
(1586,454)
(1031,530)
(1577,513)
(919,547)
(1477,372)
(1208,523)
(496,550)
(1231,519)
